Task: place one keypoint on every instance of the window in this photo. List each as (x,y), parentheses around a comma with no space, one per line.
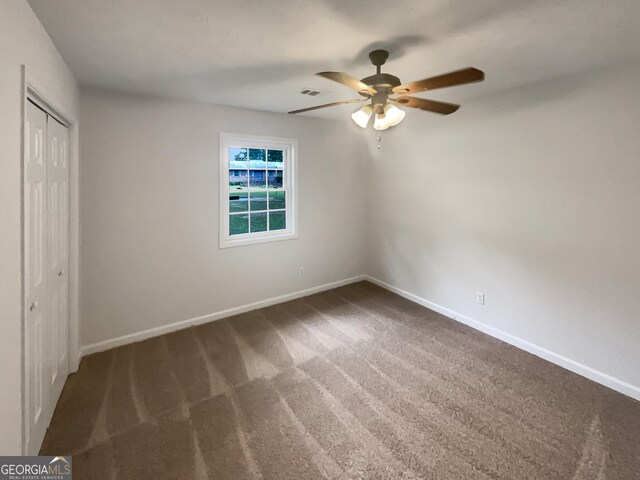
(257,189)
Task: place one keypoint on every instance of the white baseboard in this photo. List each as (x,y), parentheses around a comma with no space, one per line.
(575,367)
(172,327)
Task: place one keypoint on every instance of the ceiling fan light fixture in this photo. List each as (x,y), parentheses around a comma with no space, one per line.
(393,115)
(381,122)
(361,117)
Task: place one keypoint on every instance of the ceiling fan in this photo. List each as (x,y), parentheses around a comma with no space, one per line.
(385,92)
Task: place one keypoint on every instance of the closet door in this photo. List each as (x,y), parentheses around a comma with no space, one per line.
(46,266)
(37,383)
(57,257)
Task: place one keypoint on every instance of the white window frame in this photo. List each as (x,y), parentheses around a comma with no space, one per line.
(290,148)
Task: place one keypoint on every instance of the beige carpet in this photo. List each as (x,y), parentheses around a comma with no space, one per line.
(354,383)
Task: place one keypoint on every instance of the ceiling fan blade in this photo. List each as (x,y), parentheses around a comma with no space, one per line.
(357,100)
(459,77)
(429,105)
(348,80)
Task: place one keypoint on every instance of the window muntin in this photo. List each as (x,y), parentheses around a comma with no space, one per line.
(257,197)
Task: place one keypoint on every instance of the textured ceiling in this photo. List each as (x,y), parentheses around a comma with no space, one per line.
(260,54)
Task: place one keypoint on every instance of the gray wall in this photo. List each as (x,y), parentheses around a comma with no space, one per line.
(149,213)
(531,196)
(23,41)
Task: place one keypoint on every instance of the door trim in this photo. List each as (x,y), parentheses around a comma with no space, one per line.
(32,90)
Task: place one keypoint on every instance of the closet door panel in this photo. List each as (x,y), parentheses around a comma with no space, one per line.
(36,296)
(58,247)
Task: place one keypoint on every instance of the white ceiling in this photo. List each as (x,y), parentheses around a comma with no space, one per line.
(261,53)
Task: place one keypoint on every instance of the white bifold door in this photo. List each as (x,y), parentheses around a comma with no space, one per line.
(46,266)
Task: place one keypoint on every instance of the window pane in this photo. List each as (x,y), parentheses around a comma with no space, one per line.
(275,158)
(257,178)
(258,222)
(238,202)
(257,158)
(237,157)
(276,200)
(238,223)
(238,180)
(277,220)
(275,178)
(258,201)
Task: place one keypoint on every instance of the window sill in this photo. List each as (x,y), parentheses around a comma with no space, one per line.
(237,242)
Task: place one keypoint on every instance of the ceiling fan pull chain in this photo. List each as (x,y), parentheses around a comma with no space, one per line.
(379,140)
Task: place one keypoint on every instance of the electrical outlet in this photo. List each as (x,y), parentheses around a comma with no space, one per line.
(301,271)
(480,298)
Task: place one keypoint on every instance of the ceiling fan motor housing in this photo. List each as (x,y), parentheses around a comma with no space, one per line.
(382,81)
